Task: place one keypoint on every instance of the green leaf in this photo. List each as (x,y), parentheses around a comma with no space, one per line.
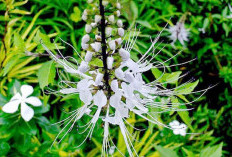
(46,74)
(166,152)
(76,15)
(186,89)
(215,151)
(19,43)
(13,61)
(4,147)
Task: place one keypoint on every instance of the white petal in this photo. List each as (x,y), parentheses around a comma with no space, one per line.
(11,106)
(88,56)
(114,85)
(98,79)
(97,18)
(17,96)
(119,23)
(176,131)
(26,112)
(83,67)
(26,90)
(182,132)
(88,28)
(33,101)
(124,54)
(86,96)
(115,100)
(111,18)
(112,45)
(119,73)
(121,32)
(110,61)
(100,99)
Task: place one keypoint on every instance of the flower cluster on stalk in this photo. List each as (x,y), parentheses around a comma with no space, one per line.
(115,89)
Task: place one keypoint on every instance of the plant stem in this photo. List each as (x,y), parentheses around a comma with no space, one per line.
(103,43)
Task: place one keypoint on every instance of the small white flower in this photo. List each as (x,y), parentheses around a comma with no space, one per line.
(112,45)
(96,46)
(98,80)
(118,13)
(118,5)
(124,54)
(121,32)
(110,61)
(105,3)
(178,32)
(85,39)
(90,1)
(88,56)
(111,18)
(108,31)
(88,28)
(26,111)
(93,25)
(178,128)
(119,23)
(119,74)
(84,17)
(98,37)
(118,41)
(98,18)
(83,67)
(84,46)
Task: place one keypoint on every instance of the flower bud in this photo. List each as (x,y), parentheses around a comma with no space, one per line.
(111,18)
(85,12)
(85,39)
(93,25)
(110,61)
(114,85)
(83,67)
(84,17)
(124,54)
(88,28)
(96,46)
(98,37)
(105,3)
(84,46)
(88,56)
(108,31)
(118,5)
(112,45)
(90,1)
(118,41)
(119,23)
(97,18)
(118,13)
(121,32)
(119,73)
(98,79)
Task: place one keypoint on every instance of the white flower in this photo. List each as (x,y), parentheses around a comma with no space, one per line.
(121,32)
(83,67)
(118,5)
(26,112)
(98,80)
(118,13)
(111,18)
(98,18)
(178,128)
(108,31)
(124,54)
(110,61)
(112,45)
(88,56)
(88,28)
(84,46)
(85,39)
(178,32)
(119,23)
(118,41)
(93,25)
(96,46)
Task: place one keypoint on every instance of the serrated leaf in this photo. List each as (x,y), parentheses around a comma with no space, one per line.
(166,152)
(46,74)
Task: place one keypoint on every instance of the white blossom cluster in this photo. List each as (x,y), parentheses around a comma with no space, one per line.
(127,92)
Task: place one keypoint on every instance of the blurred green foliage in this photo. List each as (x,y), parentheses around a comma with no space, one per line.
(23,60)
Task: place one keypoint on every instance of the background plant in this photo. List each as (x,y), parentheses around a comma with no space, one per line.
(24,23)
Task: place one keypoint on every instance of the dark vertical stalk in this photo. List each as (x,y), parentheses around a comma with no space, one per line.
(103,43)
